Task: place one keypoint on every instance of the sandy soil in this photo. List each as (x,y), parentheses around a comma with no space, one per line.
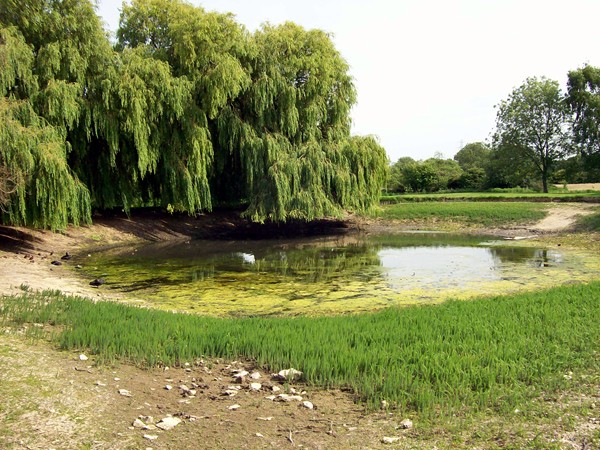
(52,399)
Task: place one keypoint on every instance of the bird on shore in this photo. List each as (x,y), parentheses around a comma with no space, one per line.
(66,257)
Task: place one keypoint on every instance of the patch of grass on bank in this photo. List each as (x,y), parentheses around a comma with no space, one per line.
(489,353)
(472,213)
(494,196)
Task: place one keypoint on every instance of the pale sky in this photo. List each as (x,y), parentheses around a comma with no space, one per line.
(429,72)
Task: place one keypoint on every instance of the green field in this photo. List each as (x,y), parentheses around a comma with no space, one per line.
(485,354)
(495,196)
(469,212)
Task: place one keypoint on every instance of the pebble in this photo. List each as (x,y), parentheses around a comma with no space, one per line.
(150,437)
(406,424)
(255,386)
(125,393)
(255,376)
(168,423)
(390,440)
(308,404)
(234,407)
(82,357)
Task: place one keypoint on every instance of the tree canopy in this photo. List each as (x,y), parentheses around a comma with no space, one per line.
(186,111)
(531,125)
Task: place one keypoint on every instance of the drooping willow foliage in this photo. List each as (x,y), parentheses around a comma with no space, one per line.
(186,111)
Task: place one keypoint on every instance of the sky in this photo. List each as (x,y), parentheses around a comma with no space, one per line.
(429,72)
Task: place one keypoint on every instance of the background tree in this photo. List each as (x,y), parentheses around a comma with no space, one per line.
(447,173)
(583,96)
(532,123)
(474,160)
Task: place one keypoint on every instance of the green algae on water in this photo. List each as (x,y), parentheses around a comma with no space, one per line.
(332,276)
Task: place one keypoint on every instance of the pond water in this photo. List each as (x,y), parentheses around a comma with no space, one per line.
(332,275)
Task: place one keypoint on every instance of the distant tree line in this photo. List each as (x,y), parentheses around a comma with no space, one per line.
(542,136)
(186,111)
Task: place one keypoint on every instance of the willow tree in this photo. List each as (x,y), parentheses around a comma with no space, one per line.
(203,52)
(63,97)
(288,136)
(43,192)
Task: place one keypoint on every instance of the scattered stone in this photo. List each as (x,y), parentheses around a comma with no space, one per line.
(186,391)
(255,386)
(276,389)
(82,357)
(271,397)
(234,407)
(97,282)
(79,266)
(384,404)
(137,423)
(259,435)
(168,387)
(289,398)
(264,418)
(240,375)
(125,393)
(168,423)
(230,392)
(147,419)
(308,404)
(406,424)
(100,383)
(150,437)
(390,440)
(288,375)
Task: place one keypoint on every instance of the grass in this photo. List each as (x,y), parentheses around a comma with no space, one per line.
(496,195)
(472,213)
(487,354)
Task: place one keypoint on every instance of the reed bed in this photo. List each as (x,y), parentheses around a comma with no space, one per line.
(488,353)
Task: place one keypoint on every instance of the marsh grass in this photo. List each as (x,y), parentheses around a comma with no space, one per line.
(473,213)
(488,353)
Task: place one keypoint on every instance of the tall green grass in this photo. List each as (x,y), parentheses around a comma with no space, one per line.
(474,213)
(489,353)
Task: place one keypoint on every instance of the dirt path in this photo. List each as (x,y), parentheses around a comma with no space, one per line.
(562,217)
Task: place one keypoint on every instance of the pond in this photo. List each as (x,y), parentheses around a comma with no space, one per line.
(332,275)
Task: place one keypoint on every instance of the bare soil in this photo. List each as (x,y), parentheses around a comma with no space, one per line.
(52,399)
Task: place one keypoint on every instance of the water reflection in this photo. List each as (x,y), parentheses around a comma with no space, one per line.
(340,274)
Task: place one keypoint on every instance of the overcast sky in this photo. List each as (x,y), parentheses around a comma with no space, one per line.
(429,72)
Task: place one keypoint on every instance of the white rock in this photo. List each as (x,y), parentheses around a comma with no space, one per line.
(264,418)
(100,383)
(234,407)
(234,387)
(168,423)
(168,387)
(137,423)
(82,357)
(255,386)
(289,398)
(270,397)
(276,389)
(255,375)
(384,404)
(259,435)
(125,393)
(289,374)
(150,437)
(230,392)
(390,440)
(308,404)
(406,424)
